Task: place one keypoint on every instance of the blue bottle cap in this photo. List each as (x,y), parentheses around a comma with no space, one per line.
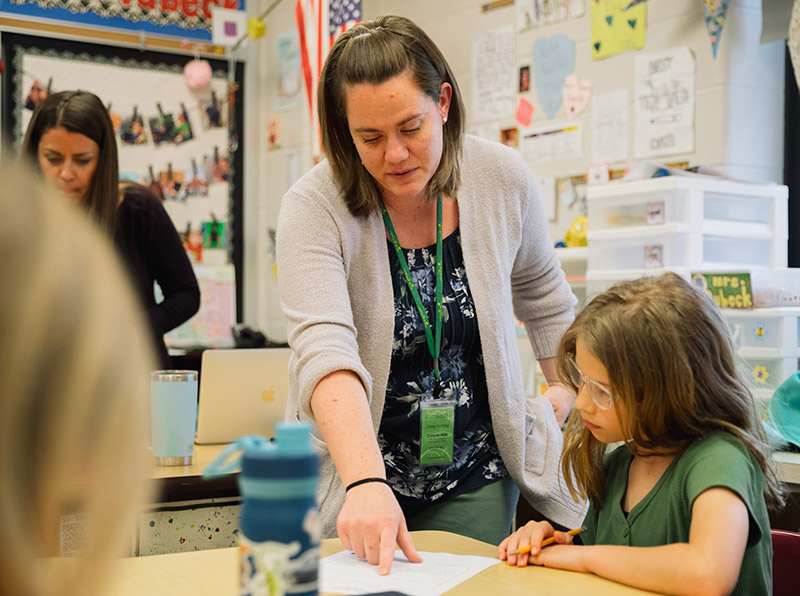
(293,438)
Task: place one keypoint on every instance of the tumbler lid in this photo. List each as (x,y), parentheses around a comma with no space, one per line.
(293,438)
(173,376)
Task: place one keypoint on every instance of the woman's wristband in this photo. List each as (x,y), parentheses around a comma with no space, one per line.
(364,481)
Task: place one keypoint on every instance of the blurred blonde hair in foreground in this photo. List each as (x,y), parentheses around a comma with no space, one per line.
(74,366)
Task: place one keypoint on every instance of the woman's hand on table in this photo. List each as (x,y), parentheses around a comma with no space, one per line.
(371,523)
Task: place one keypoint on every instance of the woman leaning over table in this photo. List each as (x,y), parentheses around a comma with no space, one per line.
(366,361)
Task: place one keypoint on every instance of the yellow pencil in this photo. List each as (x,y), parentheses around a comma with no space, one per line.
(547,541)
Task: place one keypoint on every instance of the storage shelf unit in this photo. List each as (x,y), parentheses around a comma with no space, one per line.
(764,330)
(695,223)
(699,224)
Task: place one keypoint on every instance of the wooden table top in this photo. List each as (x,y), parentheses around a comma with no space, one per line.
(216,573)
(202,456)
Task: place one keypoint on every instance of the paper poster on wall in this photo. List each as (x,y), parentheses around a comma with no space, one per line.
(664,104)
(617,26)
(510,136)
(532,14)
(610,126)
(566,191)
(494,75)
(576,94)
(289,94)
(547,188)
(217,313)
(553,62)
(524,112)
(524,79)
(554,143)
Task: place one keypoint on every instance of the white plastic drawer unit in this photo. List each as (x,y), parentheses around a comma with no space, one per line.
(767,372)
(693,201)
(762,398)
(599,280)
(771,331)
(674,245)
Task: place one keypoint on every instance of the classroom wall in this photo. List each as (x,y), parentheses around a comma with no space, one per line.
(738,104)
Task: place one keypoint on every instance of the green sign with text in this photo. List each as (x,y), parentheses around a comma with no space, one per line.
(729,290)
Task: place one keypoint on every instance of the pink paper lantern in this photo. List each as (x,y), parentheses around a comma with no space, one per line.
(197,74)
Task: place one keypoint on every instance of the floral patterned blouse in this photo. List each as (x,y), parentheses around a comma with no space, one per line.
(476,459)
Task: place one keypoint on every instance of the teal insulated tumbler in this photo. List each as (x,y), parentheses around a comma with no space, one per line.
(173,415)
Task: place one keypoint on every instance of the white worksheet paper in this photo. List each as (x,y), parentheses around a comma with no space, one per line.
(344,573)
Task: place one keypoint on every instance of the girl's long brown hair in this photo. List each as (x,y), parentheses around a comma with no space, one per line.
(672,363)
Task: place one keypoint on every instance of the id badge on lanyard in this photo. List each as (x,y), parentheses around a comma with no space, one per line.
(437,419)
(437,415)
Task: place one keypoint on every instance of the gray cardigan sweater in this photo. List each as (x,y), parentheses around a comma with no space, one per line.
(336,293)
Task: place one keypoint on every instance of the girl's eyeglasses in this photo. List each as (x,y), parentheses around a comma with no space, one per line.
(599,393)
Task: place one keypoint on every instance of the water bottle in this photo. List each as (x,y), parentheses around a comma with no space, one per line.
(279,528)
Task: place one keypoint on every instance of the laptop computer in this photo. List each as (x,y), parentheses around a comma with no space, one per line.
(241,392)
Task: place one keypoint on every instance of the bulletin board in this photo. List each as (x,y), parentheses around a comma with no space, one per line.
(198,168)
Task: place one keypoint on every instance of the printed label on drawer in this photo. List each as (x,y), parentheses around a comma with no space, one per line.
(655,213)
(654,255)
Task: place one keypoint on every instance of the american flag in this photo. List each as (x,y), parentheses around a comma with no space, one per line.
(343,15)
(319,23)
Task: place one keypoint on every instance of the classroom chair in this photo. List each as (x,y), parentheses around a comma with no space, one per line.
(785,562)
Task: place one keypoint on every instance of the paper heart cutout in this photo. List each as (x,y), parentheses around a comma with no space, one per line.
(577,95)
(553,61)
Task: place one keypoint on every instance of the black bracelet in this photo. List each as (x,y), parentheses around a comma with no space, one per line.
(365,480)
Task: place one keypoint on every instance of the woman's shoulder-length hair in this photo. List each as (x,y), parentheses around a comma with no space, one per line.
(373,52)
(84,113)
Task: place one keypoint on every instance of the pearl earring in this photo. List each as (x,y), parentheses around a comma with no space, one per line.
(444,120)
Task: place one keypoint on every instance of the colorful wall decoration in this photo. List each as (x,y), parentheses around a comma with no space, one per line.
(186,19)
(617,26)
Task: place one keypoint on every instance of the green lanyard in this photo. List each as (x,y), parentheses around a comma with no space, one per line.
(435,346)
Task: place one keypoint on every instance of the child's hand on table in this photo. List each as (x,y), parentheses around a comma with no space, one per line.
(529,545)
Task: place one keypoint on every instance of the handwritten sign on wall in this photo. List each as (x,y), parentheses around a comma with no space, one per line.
(493,74)
(664,103)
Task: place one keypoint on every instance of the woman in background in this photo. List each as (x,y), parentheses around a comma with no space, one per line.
(74,361)
(70,139)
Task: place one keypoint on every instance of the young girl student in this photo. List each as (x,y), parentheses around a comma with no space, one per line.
(681,506)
